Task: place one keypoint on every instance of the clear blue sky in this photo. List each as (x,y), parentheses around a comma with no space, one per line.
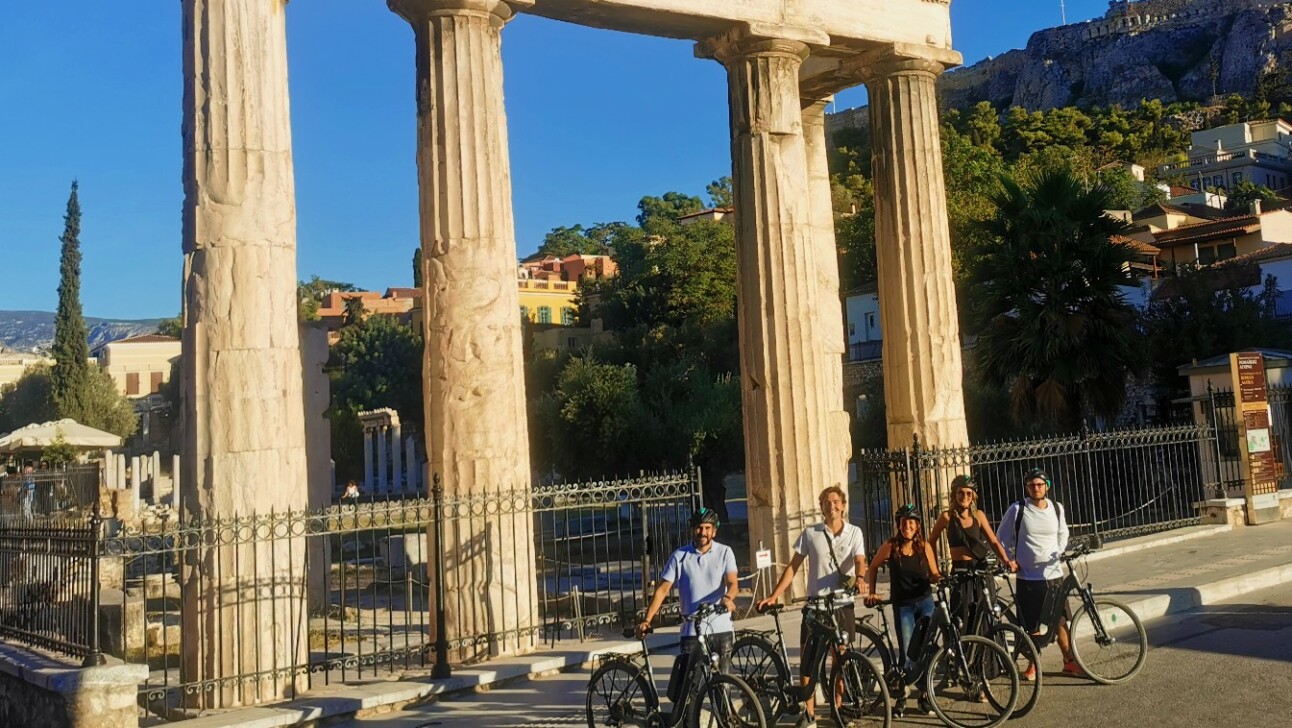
(91,90)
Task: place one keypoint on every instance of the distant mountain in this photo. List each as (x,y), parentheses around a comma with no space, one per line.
(34,330)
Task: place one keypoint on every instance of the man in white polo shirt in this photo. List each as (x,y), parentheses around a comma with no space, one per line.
(705,573)
(836,555)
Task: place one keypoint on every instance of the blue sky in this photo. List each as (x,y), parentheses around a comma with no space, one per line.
(91,90)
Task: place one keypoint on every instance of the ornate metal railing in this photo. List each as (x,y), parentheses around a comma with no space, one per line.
(1117,484)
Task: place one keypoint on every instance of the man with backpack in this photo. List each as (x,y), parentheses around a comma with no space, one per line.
(1035,533)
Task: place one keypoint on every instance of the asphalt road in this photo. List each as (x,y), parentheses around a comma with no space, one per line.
(1228,664)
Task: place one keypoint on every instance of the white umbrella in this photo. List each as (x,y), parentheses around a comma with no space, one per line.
(42,435)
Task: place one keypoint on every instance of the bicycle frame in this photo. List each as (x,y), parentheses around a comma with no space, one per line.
(695,673)
(1061,609)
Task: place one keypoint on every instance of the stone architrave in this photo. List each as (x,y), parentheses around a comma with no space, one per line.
(788,454)
(476,432)
(923,374)
(244,450)
(829,305)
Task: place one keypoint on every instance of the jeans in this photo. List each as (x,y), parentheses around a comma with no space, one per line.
(907,614)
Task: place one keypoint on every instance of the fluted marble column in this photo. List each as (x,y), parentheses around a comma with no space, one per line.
(923,375)
(829,305)
(476,434)
(244,449)
(785,396)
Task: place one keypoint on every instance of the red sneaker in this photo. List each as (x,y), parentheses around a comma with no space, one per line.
(1029,675)
(1070,667)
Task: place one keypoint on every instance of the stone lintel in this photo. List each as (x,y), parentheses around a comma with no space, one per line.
(823,75)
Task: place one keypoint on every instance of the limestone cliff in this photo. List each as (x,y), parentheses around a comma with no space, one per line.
(1173,50)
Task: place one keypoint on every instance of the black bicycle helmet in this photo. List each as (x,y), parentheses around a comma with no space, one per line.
(964,481)
(705,515)
(1036,473)
(907,511)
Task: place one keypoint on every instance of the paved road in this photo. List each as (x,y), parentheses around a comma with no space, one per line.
(1228,664)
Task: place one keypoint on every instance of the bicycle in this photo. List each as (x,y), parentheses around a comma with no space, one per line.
(1108,641)
(987,621)
(970,680)
(622,691)
(856,690)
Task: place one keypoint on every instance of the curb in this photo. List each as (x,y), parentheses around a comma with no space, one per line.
(1153,541)
(1183,599)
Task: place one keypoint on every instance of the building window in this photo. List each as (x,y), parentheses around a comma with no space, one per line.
(852,330)
(572,343)
(1238,178)
(154,385)
(132,384)
(567,317)
(1218,181)
(1195,184)
(524,313)
(1212,253)
(545,314)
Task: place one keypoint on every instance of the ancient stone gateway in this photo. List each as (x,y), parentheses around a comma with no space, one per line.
(784,58)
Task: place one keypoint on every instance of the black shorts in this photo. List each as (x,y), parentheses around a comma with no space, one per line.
(847,616)
(1035,602)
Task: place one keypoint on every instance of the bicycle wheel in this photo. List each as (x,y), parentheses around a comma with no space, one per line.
(972,684)
(618,695)
(726,701)
(1024,654)
(871,644)
(756,660)
(1112,650)
(859,696)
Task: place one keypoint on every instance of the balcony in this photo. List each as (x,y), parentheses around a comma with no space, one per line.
(865,350)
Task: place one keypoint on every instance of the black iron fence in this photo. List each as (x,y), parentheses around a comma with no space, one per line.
(1217,408)
(1116,484)
(59,493)
(244,609)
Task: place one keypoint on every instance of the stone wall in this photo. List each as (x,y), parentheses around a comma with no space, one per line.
(40,692)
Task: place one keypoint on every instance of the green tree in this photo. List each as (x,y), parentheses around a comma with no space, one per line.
(173,327)
(58,452)
(376,363)
(1243,194)
(27,400)
(71,349)
(309,292)
(720,193)
(417,267)
(1127,193)
(670,207)
(982,126)
(592,419)
(30,400)
(1201,312)
(355,312)
(1054,326)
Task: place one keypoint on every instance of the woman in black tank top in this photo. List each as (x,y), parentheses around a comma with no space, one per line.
(912,571)
(969,535)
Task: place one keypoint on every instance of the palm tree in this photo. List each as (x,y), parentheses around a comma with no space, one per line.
(1054,327)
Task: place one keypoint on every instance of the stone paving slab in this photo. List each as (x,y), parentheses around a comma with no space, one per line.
(1156,575)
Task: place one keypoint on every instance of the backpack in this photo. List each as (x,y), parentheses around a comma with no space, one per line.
(1018,519)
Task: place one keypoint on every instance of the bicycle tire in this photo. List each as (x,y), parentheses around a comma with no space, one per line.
(858,695)
(1020,647)
(871,644)
(618,695)
(757,661)
(991,675)
(1104,662)
(730,702)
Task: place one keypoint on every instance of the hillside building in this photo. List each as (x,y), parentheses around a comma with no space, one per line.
(398,302)
(139,365)
(1220,158)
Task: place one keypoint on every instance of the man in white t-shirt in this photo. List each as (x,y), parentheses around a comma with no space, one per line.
(835,550)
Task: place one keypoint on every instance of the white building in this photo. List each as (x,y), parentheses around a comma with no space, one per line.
(1253,151)
(861,312)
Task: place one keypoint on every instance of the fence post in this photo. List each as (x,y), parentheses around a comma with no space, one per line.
(95,657)
(913,470)
(1090,477)
(442,669)
(1221,491)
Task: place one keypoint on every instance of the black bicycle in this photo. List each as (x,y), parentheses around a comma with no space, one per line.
(622,690)
(971,681)
(984,618)
(855,689)
(1108,641)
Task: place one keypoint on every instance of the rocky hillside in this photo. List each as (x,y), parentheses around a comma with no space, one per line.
(1173,50)
(34,330)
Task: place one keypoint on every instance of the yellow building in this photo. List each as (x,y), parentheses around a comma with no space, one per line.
(139,365)
(14,363)
(548,302)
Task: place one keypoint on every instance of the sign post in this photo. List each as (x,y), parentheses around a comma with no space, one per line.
(1260,468)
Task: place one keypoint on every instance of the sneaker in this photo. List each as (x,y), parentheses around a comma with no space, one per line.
(899,708)
(1070,667)
(1029,675)
(924,706)
(805,721)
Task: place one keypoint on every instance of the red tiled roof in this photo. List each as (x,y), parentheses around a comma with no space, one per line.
(1193,232)
(1138,245)
(145,339)
(1276,251)
(403,293)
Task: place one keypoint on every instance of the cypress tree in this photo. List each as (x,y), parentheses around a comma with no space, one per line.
(417,267)
(71,374)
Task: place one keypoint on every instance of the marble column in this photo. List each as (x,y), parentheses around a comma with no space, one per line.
(829,305)
(383,458)
(369,478)
(476,432)
(923,374)
(244,449)
(414,468)
(784,392)
(396,473)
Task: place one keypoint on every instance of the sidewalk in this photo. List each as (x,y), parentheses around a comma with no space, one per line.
(1155,575)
